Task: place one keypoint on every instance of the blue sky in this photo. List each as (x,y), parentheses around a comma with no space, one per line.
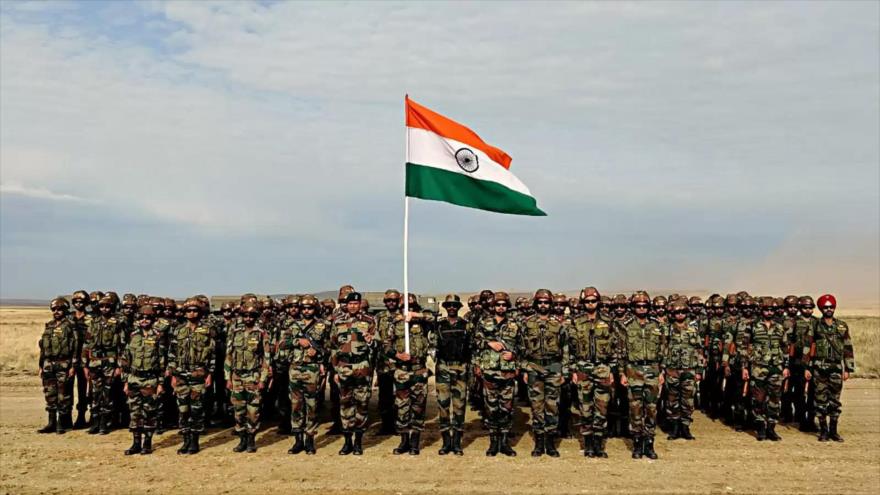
(186,147)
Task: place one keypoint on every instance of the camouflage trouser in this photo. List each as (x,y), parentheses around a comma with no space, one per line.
(714,380)
(735,403)
(354,395)
(303,386)
(644,388)
(190,406)
(681,386)
(143,402)
(544,384)
(55,390)
(101,377)
(83,394)
(765,386)
(498,388)
(410,397)
(594,388)
(246,398)
(829,384)
(451,384)
(804,398)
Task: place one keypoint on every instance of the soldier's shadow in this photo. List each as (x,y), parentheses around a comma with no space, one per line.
(271,437)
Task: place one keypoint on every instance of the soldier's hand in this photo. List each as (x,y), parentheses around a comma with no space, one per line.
(496,346)
(726,370)
(807,375)
(311,352)
(507,356)
(159,390)
(304,343)
(208,380)
(845,375)
(526,378)
(261,385)
(228,384)
(336,379)
(321,370)
(478,372)
(574,378)
(118,372)
(786,373)
(168,373)
(745,375)
(402,356)
(125,389)
(71,372)
(698,377)
(174,381)
(624,382)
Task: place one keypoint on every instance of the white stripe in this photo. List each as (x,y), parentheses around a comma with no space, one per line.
(432,150)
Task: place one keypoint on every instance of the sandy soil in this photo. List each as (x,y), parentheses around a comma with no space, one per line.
(719,461)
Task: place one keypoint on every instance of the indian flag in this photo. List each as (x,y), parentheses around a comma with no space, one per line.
(446,161)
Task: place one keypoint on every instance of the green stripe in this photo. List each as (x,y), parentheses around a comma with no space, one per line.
(442,185)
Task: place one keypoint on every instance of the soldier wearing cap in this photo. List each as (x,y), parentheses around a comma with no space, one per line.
(658,310)
(305,345)
(683,365)
(618,410)
(143,363)
(104,339)
(496,342)
(164,327)
(338,311)
(82,315)
(482,309)
(246,369)
(765,367)
(787,316)
(58,362)
(453,355)
(713,343)
(385,320)
(278,394)
(736,391)
(351,344)
(831,361)
(803,390)
(191,368)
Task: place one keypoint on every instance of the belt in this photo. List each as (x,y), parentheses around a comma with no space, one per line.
(411,363)
(643,362)
(145,374)
(545,362)
(243,371)
(452,361)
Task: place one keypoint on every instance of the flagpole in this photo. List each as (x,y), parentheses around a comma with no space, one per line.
(406,246)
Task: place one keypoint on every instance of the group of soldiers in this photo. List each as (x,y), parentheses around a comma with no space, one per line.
(608,366)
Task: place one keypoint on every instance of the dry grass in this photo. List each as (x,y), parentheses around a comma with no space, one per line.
(20,329)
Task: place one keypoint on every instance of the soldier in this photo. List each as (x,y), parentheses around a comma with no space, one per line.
(453,355)
(658,310)
(220,410)
(496,339)
(523,308)
(339,311)
(103,343)
(129,313)
(592,348)
(351,344)
(246,369)
(804,390)
(736,389)
(765,367)
(191,368)
(81,318)
(305,343)
(788,318)
(541,341)
(714,346)
(328,306)
(831,360)
(58,363)
(279,389)
(143,363)
(410,372)
(164,327)
(605,307)
(385,375)
(619,409)
(482,308)
(684,370)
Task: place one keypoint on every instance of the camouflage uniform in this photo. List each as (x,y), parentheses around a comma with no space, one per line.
(714,348)
(804,394)
(683,362)
(644,349)
(58,356)
(453,355)
(384,374)
(190,362)
(735,389)
(766,356)
(305,373)
(831,354)
(103,342)
(541,343)
(247,368)
(81,323)
(142,365)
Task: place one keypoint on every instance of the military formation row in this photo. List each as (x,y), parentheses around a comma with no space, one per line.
(612,364)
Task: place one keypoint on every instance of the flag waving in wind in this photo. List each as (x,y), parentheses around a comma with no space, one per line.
(446,161)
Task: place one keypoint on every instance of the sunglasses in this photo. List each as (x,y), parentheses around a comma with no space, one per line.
(309,307)
(390,299)
(502,304)
(808,307)
(191,310)
(591,301)
(680,312)
(642,305)
(543,301)
(252,315)
(145,317)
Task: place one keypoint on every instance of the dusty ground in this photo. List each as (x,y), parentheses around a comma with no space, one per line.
(719,461)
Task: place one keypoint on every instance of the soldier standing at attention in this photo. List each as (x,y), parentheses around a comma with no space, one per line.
(83,312)
(305,345)
(831,362)
(385,375)
(734,408)
(590,353)
(619,407)
(714,344)
(453,356)
(684,370)
(765,366)
(191,367)
(246,370)
(338,311)
(541,342)
(58,362)
(143,363)
(804,390)
(496,339)
(351,343)
(103,343)
(410,374)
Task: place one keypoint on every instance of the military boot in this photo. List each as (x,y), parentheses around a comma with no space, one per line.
(673,432)
(832,431)
(447,443)
(251,442)
(95,427)
(403,447)
(599,447)
(648,443)
(298,445)
(771,433)
(193,443)
(184,449)
(504,445)
(538,451)
(456,443)
(761,431)
(492,451)
(135,444)
(347,447)
(588,446)
(638,448)
(414,443)
(284,427)
(242,442)
(823,430)
(335,429)
(310,444)
(550,445)
(105,426)
(685,432)
(80,423)
(51,425)
(65,423)
(148,443)
(358,447)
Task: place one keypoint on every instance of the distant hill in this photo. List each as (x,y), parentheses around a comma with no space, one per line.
(24,302)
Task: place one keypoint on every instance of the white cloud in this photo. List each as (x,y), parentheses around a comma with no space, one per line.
(38,192)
